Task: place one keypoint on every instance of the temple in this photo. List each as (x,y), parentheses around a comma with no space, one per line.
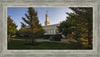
(50,29)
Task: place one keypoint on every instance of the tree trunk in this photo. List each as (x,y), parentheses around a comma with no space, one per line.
(32,40)
(32,37)
(8,37)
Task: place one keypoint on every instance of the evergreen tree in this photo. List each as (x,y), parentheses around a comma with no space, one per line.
(11,27)
(86,15)
(69,26)
(33,23)
(23,30)
(80,22)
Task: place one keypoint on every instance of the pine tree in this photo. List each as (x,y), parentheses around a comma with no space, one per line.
(11,27)
(69,26)
(22,30)
(80,22)
(86,15)
(33,23)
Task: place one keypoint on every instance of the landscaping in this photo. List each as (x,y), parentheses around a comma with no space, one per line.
(16,44)
(73,33)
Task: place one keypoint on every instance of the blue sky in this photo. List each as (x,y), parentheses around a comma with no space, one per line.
(56,14)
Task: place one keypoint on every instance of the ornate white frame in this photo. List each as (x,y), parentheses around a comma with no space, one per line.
(49,3)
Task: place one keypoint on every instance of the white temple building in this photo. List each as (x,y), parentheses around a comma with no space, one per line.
(50,29)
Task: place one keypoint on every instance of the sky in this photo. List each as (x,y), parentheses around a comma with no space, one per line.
(56,14)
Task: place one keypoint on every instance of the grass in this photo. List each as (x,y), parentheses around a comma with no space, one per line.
(21,37)
(16,44)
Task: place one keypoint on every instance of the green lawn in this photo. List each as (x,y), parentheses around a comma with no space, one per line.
(15,44)
(21,37)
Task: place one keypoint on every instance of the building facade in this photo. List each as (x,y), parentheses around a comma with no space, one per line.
(51,29)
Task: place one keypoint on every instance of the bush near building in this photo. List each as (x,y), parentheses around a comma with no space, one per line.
(57,37)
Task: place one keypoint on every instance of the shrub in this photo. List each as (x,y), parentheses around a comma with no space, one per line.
(57,37)
(51,38)
(47,36)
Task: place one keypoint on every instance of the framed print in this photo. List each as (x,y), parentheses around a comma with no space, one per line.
(47,28)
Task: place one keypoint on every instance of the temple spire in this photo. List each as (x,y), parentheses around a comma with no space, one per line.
(47,19)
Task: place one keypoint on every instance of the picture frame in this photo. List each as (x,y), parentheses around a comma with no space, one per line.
(49,53)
